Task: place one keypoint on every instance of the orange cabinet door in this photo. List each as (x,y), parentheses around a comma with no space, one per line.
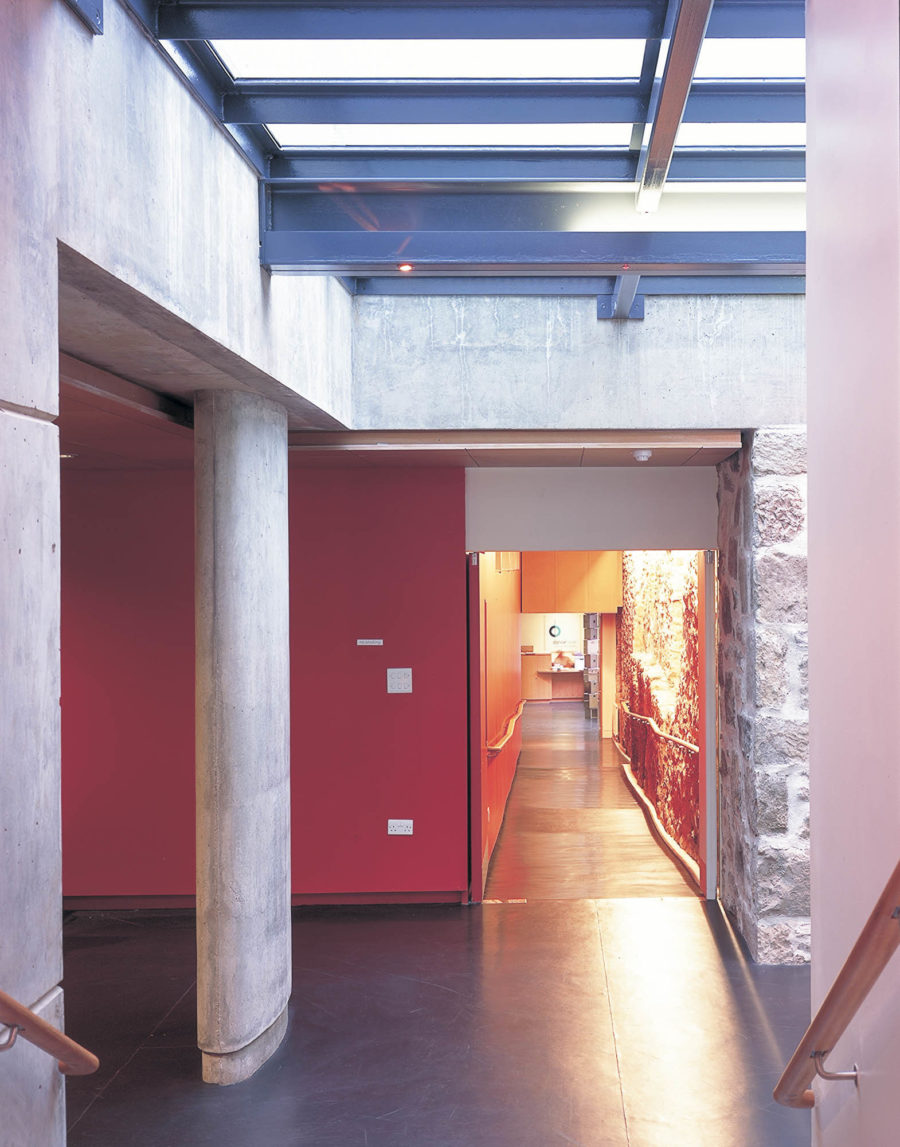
(572,588)
(539,582)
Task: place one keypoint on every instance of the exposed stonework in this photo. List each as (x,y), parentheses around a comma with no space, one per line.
(763,717)
(658,675)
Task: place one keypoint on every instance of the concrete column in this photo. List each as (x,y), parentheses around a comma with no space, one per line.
(243,751)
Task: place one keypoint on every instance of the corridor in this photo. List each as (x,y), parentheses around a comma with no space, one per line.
(607,1007)
(572,828)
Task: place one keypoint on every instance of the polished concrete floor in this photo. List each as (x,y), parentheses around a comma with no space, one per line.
(621,1020)
(572,828)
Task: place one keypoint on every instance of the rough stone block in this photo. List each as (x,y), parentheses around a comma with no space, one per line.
(772,684)
(780,513)
(779,450)
(801,674)
(771,803)
(780,589)
(783,882)
(745,736)
(781,739)
(783,941)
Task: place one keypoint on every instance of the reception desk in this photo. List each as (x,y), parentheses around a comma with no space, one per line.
(541,683)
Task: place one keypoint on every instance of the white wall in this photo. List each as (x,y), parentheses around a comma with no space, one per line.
(534,630)
(854,532)
(601,508)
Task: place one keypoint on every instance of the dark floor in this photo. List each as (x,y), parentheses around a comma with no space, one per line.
(628,1021)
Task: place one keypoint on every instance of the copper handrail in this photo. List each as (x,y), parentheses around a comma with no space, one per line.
(623,708)
(73,1058)
(876,944)
(496,746)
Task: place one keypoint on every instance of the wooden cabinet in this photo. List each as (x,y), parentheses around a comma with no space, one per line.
(571,581)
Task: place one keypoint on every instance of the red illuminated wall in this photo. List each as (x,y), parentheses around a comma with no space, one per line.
(501,685)
(373,554)
(128,683)
(658,676)
(378,554)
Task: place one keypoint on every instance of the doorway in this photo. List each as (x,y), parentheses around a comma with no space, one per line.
(608,732)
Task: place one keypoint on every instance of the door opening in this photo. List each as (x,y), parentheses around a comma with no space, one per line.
(632,682)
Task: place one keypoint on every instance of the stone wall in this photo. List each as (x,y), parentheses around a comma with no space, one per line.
(763,706)
(658,675)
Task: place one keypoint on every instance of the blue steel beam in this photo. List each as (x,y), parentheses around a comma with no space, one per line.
(580,286)
(476,207)
(90,13)
(775,164)
(522,165)
(483,20)
(452,165)
(435,101)
(541,252)
(502,101)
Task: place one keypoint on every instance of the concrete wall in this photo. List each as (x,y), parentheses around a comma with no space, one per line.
(854,534)
(152,191)
(763,717)
(109,154)
(711,362)
(31,1090)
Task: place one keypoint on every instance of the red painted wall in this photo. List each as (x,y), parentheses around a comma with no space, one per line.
(501,595)
(373,554)
(128,683)
(378,554)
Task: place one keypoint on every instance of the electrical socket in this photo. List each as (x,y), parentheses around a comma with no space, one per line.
(399,681)
(400,828)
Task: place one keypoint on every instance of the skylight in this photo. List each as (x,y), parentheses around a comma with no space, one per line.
(449,135)
(741,135)
(431,59)
(751,59)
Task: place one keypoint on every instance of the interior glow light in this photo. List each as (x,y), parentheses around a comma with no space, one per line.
(405,267)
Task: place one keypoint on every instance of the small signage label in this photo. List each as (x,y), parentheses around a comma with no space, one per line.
(369,641)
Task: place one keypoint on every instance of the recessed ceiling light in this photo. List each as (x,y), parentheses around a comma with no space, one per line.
(642,455)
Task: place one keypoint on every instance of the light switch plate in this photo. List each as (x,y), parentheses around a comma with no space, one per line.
(399,681)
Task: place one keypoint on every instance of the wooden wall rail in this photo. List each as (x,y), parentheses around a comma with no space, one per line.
(623,708)
(876,944)
(497,746)
(73,1058)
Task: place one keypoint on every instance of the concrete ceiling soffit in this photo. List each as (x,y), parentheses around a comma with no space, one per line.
(109,324)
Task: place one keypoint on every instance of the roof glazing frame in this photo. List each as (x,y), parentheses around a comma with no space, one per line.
(247,108)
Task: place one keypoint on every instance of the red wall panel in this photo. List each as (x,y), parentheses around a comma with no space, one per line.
(373,554)
(378,554)
(128,683)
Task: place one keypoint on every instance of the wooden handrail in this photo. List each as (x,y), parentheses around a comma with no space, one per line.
(876,944)
(73,1058)
(622,707)
(497,746)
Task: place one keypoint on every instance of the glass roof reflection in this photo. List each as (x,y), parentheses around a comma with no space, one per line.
(431,59)
(452,135)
